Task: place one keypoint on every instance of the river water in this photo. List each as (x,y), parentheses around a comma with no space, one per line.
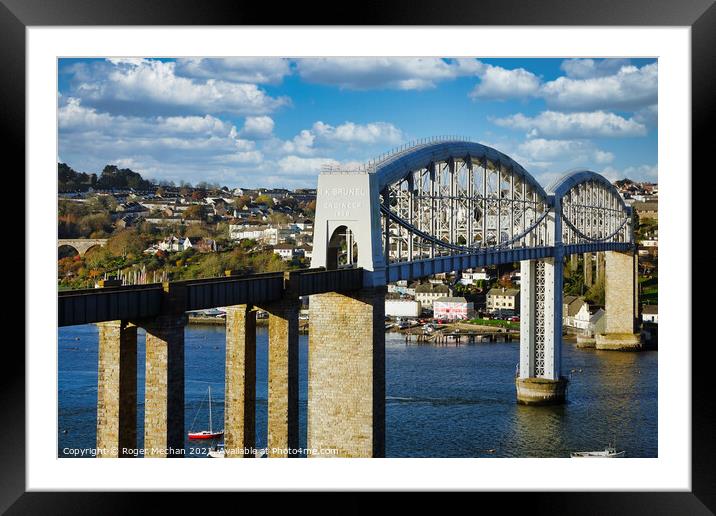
(442,401)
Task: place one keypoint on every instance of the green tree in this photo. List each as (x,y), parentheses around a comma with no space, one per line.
(265,199)
(194,212)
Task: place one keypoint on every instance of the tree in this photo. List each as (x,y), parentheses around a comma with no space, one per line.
(241,202)
(265,199)
(126,243)
(194,212)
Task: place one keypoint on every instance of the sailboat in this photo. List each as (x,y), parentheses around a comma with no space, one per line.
(206,434)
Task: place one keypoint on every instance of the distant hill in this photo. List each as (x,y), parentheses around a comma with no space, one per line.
(70,180)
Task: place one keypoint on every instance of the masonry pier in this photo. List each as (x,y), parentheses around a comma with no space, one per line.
(346,373)
(116,389)
(283,377)
(621,300)
(164,387)
(240,397)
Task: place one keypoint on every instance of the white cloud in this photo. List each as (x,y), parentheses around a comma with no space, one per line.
(302,143)
(568,151)
(257,127)
(349,132)
(400,73)
(587,68)
(630,88)
(258,70)
(151,86)
(574,125)
(188,148)
(637,173)
(323,136)
(498,83)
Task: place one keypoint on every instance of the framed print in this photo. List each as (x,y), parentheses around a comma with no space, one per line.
(424,246)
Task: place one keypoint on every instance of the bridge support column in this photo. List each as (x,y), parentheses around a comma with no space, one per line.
(573,262)
(621,298)
(600,266)
(283,377)
(539,381)
(587,269)
(164,387)
(117,389)
(240,396)
(346,374)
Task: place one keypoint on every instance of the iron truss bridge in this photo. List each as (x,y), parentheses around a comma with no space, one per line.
(447,203)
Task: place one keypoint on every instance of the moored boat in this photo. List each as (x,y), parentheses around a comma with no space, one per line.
(205,434)
(607,453)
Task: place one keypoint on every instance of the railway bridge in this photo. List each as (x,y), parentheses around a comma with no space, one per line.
(434,206)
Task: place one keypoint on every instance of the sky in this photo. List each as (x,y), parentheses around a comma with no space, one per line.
(273,122)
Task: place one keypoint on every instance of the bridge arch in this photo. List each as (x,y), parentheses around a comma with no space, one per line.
(66,250)
(448,203)
(591,209)
(81,245)
(342,248)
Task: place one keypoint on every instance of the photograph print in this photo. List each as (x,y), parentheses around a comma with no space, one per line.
(357,257)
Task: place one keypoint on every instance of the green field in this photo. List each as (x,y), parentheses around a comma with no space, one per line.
(496,322)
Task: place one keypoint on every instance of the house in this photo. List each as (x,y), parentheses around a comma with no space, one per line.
(589,320)
(453,308)
(201,244)
(403,287)
(271,235)
(287,251)
(426,293)
(472,276)
(304,225)
(307,251)
(650,313)
(570,306)
(503,299)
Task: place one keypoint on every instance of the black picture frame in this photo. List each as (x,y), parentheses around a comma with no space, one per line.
(700,15)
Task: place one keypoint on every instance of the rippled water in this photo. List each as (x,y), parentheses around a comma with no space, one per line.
(446,401)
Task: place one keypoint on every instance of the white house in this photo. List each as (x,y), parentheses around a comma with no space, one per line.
(499,299)
(650,313)
(429,292)
(287,251)
(589,319)
(472,276)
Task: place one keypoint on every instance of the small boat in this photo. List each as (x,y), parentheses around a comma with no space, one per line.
(205,434)
(217,452)
(607,453)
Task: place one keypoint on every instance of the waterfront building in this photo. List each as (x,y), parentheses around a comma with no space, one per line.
(650,313)
(503,299)
(402,307)
(453,308)
(426,293)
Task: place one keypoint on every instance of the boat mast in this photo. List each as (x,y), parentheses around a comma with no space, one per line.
(210,409)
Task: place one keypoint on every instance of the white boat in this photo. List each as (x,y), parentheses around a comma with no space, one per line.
(217,452)
(607,453)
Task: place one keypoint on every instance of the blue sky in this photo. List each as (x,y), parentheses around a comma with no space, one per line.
(273,122)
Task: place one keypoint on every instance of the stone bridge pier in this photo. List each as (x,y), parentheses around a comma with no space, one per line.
(164,384)
(621,303)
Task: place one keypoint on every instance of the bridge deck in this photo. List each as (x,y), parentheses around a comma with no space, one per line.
(143,301)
